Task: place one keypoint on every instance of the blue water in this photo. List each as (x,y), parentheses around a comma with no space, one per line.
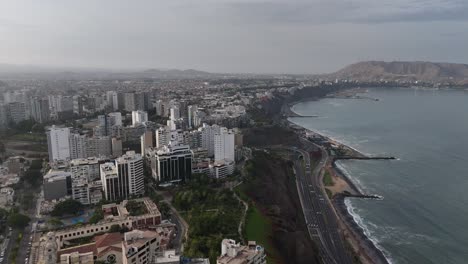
(424,216)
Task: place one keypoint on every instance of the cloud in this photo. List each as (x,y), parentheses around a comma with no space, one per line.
(316,12)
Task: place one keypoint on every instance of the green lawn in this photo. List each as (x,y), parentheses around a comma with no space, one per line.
(327,179)
(29,137)
(258,228)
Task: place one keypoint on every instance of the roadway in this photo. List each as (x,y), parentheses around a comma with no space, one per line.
(318,212)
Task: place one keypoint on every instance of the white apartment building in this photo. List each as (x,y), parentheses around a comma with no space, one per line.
(139,117)
(58,143)
(224,145)
(208,133)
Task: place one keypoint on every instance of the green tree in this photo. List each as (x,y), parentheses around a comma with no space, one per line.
(67,207)
(18,221)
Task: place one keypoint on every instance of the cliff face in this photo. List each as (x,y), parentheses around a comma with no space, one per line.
(425,71)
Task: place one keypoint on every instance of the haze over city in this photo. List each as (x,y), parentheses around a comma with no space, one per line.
(233,131)
(258,36)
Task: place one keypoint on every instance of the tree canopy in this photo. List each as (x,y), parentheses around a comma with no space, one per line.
(67,207)
(18,221)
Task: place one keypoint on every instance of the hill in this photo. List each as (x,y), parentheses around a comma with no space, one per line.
(402,70)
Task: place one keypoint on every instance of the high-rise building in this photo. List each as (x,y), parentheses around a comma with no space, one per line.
(224,145)
(147,141)
(112,100)
(171,163)
(208,133)
(109,125)
(85,177)
(18,111)
(130,104)
(175,113)
(116,147)
(78,146)
(3,117)
(190,112)
(40,110)
(58,143)
(139,117)
(124,178)
(78,105)
(99,147)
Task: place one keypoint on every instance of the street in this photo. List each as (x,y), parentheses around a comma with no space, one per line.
(319,215)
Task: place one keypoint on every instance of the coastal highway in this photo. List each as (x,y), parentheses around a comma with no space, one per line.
(320,218)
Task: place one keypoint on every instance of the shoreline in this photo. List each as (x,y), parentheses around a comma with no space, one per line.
(364,248)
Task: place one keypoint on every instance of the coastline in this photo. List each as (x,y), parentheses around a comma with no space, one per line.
(364,248)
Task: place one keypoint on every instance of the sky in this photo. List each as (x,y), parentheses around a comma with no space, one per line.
(238,36)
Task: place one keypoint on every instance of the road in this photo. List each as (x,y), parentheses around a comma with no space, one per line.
(318,212)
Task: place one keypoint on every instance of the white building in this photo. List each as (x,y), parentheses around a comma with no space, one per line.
(224,145)
(208,133)
(58,143)
(236,253)
(139,117)
(175,113)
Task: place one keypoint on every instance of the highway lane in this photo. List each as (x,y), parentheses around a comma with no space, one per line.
(320,217)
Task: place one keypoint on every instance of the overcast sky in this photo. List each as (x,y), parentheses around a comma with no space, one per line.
(262,36)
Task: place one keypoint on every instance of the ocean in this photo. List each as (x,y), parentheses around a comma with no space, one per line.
(423,217)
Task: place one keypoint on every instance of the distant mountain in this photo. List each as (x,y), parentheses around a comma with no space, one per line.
(44,72)
(418,70)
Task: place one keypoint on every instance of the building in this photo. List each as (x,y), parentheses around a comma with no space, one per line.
(18,111)
(129,102)
(224,145)
(106,248)
(222,169)
(232,253)
(112,185)
(112,100)
(116,147)
(139,117)
(191,111)
(78,146)
(208,134)
(124,178)
(140,247)
(86,184)
(99,147)
(3,117)
(109,125)
(146,141)
(40,110)
(57,184)
(7,196)
(171,163)
(58,143)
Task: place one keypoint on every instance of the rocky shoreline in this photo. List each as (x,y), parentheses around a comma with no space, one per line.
(364,248)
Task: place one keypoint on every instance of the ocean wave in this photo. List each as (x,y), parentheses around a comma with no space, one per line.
(359,220)
(348,175)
